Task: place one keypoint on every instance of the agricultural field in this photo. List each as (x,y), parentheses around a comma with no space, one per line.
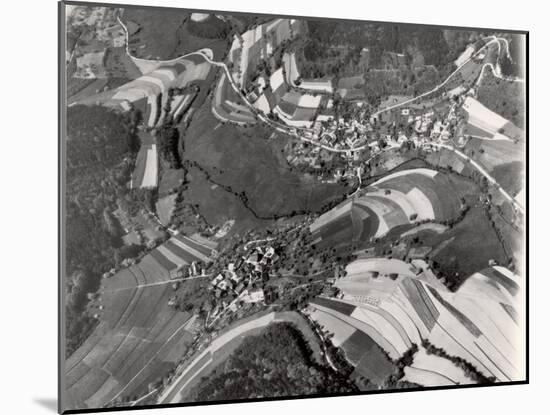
(136,334)
(264,176)
(151,34)
(391,314)
(259,43)
(227,106)
(504,160)
(207,364)
(153,87)
(402,198)
(165,208)
(504,98)
(261,207)
(138,330)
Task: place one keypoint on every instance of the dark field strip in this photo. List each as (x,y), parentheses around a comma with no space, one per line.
(511,312)
(375,366)
(427,300)
(334,226)
(503,280)
(395,216)
(357,345)
(193,244)
(464,320)
(180,252)
(393,321)
(418,303)
(139,169)
(162,260)
(343,308)
(370,223)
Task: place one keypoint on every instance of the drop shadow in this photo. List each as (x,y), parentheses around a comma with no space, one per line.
(48,403)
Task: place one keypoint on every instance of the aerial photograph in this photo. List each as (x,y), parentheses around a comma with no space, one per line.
(260,206)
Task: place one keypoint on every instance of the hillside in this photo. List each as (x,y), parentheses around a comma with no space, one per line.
(276,362)
(98,142)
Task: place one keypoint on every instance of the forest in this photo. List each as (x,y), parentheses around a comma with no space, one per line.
(100,146)
(277,362)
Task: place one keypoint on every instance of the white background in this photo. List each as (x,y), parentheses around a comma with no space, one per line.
(28,238)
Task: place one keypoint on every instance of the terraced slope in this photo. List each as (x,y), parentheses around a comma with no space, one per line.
(150,91)
(479,323)
(139,334)
(402,198)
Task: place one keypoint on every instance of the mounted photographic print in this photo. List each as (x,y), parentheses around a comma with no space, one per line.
(259,207)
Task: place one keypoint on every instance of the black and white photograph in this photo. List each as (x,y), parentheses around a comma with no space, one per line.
(263,207)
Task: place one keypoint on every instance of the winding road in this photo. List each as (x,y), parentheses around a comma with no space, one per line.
(293,131)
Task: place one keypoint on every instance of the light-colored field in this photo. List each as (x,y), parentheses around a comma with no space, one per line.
(383,326)
(360,283)
(291,69)
(330,216)
(382,265)
(479,323)
(188,247)
(464,56)
(341,331)
(309,101)
(150,177)
(199,17)
(172,257)
(398,199)
(482,288)
(426,172)
(426,377)
(366,328)
(435,227)
(277,79)
(423,360)
(482,117)
(422,204)
(321,86)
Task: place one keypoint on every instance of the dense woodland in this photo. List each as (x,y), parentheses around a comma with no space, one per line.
(340,49)
(100,145)
(277,362)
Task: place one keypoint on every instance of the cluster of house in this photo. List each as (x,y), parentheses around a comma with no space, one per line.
(240,277)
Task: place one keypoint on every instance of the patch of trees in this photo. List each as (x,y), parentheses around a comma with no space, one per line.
(98,169)
(512,67)
(278,362)
(379,38)
(168,136)
(210,28)
(469,369)
(99,137)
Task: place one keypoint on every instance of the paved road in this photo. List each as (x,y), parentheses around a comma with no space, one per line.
(154,284)
(172,394)
(391,107)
